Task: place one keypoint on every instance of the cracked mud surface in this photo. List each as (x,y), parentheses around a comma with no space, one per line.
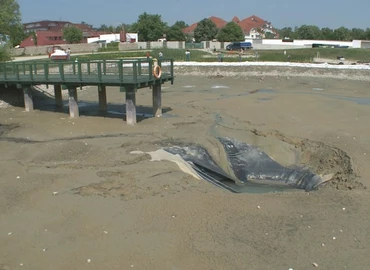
(120,209)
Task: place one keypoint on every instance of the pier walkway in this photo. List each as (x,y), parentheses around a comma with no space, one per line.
(128,75)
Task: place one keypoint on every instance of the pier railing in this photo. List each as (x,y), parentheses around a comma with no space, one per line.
(85,72)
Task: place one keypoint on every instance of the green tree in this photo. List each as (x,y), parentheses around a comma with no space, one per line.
(10,22)
(308,32)
(231,32)
(123,26)
(34,38)
(358,34)
(4,53)
(149,27)
(206,30)
(367,34)
(269,35)
(286,32)
(17,34)
(10,17)
(180,24)
(72,34)
(103,28)
(174,33)
(327,33)
(342,34)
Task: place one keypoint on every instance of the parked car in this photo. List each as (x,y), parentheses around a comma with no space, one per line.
(237,46)
(57,53)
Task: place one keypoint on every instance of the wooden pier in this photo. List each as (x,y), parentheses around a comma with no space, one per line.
(128,75)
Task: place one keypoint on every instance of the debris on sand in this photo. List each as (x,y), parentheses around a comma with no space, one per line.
(238,164)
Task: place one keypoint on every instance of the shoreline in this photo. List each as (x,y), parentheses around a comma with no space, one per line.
(361,73)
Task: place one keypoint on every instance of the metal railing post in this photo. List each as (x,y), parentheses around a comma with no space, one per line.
(150,69)
(135,72)
(61,71)
(99,72)
(46,72)
(88,67)
(79,71)
(120,70)
(31,71)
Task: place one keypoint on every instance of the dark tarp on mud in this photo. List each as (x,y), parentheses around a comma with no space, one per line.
(243,164)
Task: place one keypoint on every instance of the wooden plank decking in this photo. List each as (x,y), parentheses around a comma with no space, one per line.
(129,75)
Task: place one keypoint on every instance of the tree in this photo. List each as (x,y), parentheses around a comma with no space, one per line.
(206,30)
(174,33)
(342,34)
(269,35)
(34,38)
(150,27)
(358,33)
(231,32)
(286,32)
(17,34)
(180,24)
(367,34)
(72,34)
(308,32)
(327,33)
(10,23)
(10,17)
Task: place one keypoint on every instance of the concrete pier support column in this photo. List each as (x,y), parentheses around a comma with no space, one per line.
(102,98)
(28,102)
(131,106)
(58,95)
(157,99)
(73,104)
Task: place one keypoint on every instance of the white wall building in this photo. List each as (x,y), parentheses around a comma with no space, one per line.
(132,37)
(108,38)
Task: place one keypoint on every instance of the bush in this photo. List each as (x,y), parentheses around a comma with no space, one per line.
(4,53)
(110,47)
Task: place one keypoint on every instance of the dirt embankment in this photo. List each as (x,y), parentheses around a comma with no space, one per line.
(273,71)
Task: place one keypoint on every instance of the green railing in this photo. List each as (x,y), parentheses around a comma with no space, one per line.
(89,72)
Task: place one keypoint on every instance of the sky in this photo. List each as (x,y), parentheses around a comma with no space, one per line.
(281,13)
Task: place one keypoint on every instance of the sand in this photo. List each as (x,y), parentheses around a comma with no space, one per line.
(73,196)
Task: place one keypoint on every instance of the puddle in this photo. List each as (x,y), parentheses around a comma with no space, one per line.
(266,91)
(80,104)
(264,99)
(359,101)
(219,87)
(145,115)
(188,86)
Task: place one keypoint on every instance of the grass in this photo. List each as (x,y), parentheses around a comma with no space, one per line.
(307,55)
(296,55)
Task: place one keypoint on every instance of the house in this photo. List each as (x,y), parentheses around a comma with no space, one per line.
(43,38)
(120,37)
(51,32)
(45,26)
(253,27)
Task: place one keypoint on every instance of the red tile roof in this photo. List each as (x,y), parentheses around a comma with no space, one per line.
(251,22)
(217,21)
(235,19)
(246,25)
